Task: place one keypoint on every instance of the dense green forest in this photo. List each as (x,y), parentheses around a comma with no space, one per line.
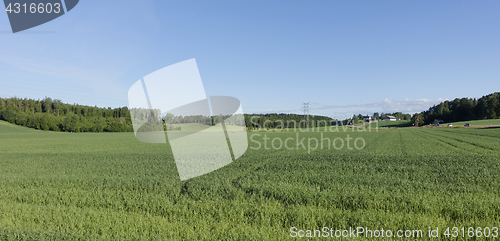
(464,109)
(48,114)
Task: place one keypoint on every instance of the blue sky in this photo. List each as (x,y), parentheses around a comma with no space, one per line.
(344,57)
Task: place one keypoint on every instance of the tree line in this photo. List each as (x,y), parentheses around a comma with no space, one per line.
(48,114)
(461,109)
(281,120)
(54,115)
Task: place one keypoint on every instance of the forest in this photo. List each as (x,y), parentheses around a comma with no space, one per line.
(461,109)
(54,115)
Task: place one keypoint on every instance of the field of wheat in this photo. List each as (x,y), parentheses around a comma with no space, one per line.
(109,186)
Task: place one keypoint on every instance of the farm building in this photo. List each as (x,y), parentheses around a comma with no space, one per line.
(389,118)
(368,118)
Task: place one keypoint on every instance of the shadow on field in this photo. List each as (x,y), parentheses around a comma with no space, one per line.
(490,127)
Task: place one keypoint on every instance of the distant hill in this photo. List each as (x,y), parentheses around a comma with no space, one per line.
(8,128)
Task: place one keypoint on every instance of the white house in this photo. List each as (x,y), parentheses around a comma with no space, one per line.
(389,118)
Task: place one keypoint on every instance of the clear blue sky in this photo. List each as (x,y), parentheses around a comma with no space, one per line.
(344,57)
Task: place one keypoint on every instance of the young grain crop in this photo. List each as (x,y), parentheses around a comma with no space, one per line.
(110,186)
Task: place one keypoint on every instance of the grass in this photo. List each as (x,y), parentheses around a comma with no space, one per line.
(489,122)
(110,186)
(383,124)
(191,127)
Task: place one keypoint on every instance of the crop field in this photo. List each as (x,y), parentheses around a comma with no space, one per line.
(109,186)
(489,122)
(382,124)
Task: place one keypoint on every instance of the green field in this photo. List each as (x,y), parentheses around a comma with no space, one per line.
(490,122)
(109,186)
(190,127)
(384,124)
